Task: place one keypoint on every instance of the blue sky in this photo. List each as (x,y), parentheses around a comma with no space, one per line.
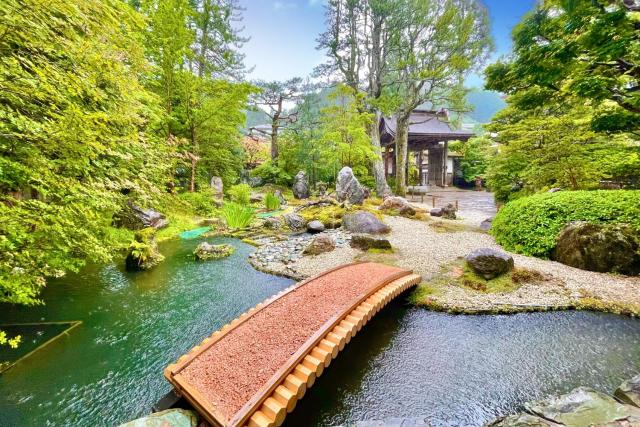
(283,34)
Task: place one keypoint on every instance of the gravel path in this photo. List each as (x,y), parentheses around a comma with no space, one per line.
(231,371)
(424,250)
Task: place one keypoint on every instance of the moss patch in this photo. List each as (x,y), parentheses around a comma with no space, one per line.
(380,251)
(452,227)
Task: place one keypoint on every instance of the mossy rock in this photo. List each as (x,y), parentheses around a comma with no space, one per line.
(207,252)
(143,253)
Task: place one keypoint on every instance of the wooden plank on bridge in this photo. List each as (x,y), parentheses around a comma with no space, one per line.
(253,370)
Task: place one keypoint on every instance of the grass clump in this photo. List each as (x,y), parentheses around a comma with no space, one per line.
(271,202)
(451,227)
(240,194)
(237,215)
(531,225)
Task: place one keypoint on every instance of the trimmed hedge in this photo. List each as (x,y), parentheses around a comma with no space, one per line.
(531,225)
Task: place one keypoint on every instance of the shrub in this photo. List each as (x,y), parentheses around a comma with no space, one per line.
(240,194)
(237,215)
(272,174)
(271,202)
(530,225)
(200,201)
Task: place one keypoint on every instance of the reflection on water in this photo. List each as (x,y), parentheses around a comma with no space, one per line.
(467,370)
(109,369)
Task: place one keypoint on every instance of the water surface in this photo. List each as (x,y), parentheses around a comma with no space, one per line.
(109,369)
(467,370)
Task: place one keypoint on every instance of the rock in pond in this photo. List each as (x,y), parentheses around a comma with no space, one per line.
(348,188)
(629,391)
(368,241)
(522,420)
(320,244)
(206,251)
(315,227)
(398,204)
(143,252)
(168,418)
(364,222)
(294,221)
(599,247)
(135,218)
(489,263)
(584,406)
(301,186)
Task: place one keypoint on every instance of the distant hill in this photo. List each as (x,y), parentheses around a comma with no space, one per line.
(486,103)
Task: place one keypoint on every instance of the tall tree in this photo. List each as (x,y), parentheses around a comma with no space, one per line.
(217,41)
(440,42)
(274,97)
(581,49)
(360,36)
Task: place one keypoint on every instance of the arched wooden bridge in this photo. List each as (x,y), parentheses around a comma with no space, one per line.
(254,370)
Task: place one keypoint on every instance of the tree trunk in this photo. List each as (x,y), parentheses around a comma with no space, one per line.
(274,141)
(402,142)
(379,174)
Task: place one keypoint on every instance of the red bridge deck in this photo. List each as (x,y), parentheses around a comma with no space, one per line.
(254,369)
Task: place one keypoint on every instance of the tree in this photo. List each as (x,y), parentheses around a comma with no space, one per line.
(274,96)
(73,134)
(577,49)
(361,35)
(476,153)
(217,42)
(440,42)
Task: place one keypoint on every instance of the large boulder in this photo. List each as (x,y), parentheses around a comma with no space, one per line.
(320,244)
(143,252)
(629,391)
(368,241)
(170,417)
(348,188)
(364,222)
(206,251)
(599,247)
(294,221)
(135,218)
(315,226)
(489,263)
(301,186)
(584,407)
(217,187)
(398,204)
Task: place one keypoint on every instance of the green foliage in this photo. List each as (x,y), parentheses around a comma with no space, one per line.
(72,116)
(272,174)
(201,201)
(271,202)
(585,50)
(475,156)
(531,225)
(240,194)
(11,342)
(237,215)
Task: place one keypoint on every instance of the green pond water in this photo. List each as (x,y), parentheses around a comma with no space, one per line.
(408,362)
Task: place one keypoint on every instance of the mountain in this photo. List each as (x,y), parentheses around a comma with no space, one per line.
(486,103)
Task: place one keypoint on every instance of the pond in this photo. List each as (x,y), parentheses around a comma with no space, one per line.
(453,370)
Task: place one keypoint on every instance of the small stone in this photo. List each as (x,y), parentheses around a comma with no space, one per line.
(486,224)
(399,204)
(320,244)
(273,223)
(489,263)
(280,197)
(368,241)
(436,212)
(449,211)
(256,197)
(315,227)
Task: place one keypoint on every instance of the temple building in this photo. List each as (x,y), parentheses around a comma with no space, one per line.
(429,136)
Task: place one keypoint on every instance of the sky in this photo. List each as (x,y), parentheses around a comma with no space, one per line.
(283,35)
